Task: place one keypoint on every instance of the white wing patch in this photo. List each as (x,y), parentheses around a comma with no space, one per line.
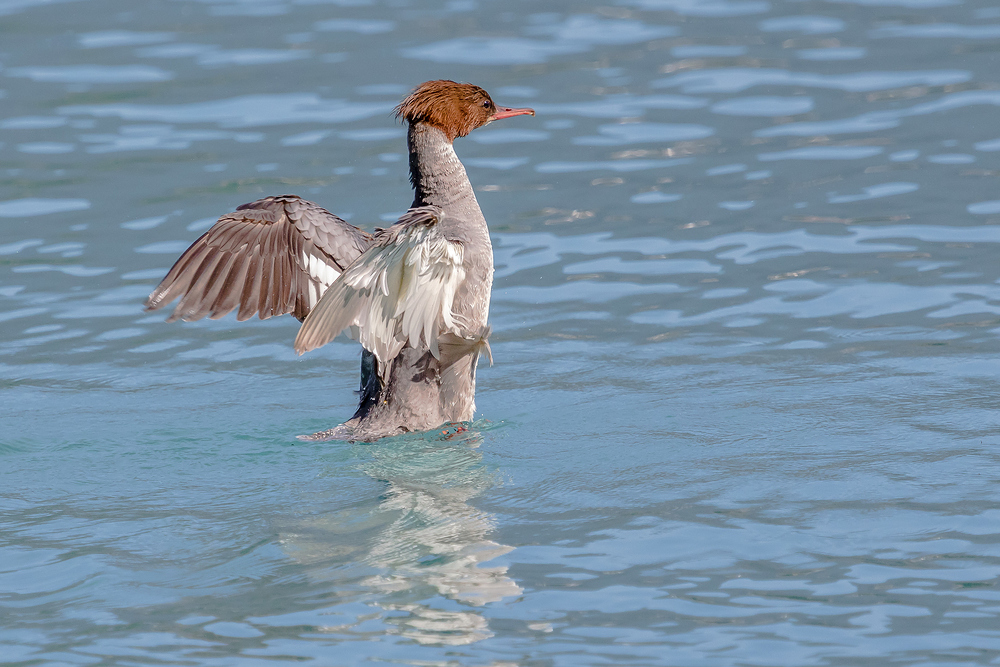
(319,270)
(322,274)
(399,291)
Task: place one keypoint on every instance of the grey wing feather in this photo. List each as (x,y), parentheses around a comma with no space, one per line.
(273,256)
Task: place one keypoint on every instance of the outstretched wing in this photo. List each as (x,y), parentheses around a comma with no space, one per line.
(401,290)
(270,257)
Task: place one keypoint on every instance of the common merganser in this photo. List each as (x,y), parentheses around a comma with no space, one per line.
(415,295)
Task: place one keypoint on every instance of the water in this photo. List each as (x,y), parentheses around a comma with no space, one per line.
(745,322)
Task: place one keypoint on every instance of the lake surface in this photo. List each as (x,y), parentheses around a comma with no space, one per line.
(746,322)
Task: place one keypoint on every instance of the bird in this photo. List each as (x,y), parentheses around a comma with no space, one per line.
(416,295)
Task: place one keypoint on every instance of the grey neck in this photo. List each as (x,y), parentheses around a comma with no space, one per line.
(437,175)
(439,179)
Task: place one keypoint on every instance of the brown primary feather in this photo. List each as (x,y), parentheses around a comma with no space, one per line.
(188,275)
(213,286)
(229,295)
(176,280)
(249,298)
(189,302)
(264,308)
(287,299)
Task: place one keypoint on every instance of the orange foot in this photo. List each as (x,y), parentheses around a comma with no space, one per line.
(451,432)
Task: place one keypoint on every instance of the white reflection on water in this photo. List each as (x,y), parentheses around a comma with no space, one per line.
(882,120)
(589,29)
(577,34)
(362,27)
(32,123)
(212,56)
(423,539)
(833,53)
(822,153)
(158,137)
(242,111)
(620,106)
(736,79)
(31,206)
(807,25)
(874,192)
(92,74)
(111,38)
(45,148)
(9,7)
(947,30)
(609,165)
(496,51)
(764,106)
(713,8)
(616,135)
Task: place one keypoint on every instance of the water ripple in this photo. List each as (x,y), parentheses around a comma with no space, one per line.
(949,30)
(212,56)
(113,38)
(242,111)
(32,206)
(360,26)
(610,165)
(92,74)
(833,53)
(707,8)
(822,153)
(617,135)
(875,121)
(807,25)
(764,106)
(621,106)
(736,79)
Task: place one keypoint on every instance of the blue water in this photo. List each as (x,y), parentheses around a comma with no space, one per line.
(746,318)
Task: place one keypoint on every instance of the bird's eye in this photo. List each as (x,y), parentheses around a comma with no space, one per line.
(487,104)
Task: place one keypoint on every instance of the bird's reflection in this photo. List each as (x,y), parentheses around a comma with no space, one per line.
(423,539)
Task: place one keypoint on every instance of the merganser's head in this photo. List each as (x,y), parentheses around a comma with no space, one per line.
(455,108)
